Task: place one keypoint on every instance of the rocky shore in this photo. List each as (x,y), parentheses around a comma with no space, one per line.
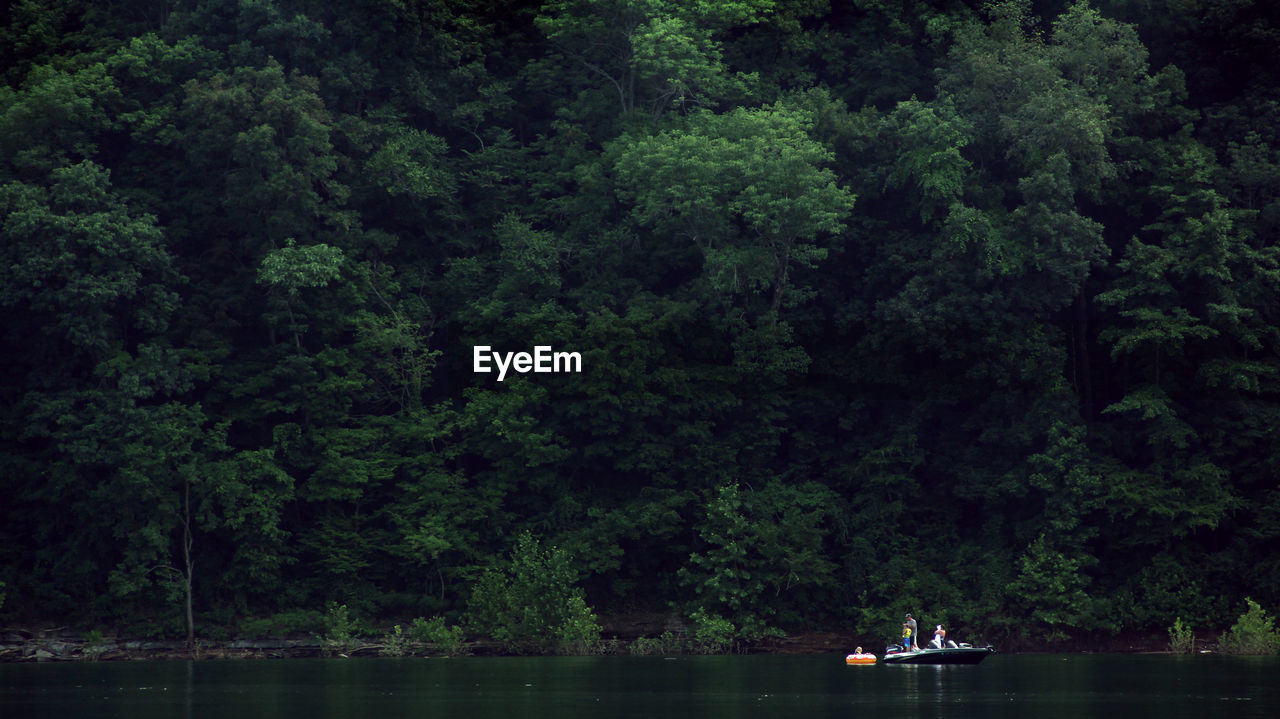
(64,644)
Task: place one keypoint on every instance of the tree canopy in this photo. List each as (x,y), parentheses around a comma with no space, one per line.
(968,309)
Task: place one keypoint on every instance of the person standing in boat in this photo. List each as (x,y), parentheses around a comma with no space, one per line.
(906,636)
(915,633)
(940,637)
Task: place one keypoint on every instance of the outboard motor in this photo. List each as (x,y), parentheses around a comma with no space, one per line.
(893,648)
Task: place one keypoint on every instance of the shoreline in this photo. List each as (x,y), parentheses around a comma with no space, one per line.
(61,645)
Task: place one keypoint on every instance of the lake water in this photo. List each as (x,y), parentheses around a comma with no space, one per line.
(1040,686)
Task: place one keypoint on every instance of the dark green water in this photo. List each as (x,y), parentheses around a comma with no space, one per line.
(1040,686)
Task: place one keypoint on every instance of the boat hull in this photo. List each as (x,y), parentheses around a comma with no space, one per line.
(957,655)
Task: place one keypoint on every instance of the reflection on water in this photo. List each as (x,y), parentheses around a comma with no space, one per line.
(922,683)
(1043,686)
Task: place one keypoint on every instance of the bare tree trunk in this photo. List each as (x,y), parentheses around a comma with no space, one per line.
(187,541)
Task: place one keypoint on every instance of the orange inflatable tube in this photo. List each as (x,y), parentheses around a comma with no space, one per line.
(860,659)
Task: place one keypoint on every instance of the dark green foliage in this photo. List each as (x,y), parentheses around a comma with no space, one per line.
(1182,638)
(443,638)
(533,602)
(757,553)
(882,306)
(291,623)
(1253,633)
(340,631)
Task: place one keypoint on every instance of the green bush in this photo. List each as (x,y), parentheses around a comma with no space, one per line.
(339,630)
(579,633)
(395,644)
(533,604)
(1253,633)
(447,640)
(712,633)
(665,643)
(95,643)
(1182,640)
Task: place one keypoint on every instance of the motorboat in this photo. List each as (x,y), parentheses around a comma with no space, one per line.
(951,654)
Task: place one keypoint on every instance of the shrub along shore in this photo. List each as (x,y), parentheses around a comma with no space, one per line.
(649,634)
(65,645)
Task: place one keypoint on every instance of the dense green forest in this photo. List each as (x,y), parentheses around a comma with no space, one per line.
(964,308)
